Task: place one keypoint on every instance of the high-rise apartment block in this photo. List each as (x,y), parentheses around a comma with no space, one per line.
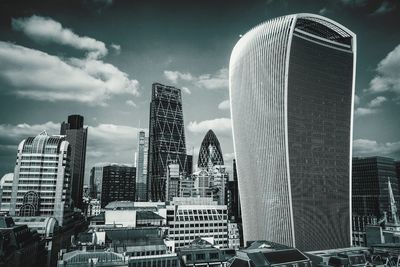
(76,135)
(291,85)
(166,138)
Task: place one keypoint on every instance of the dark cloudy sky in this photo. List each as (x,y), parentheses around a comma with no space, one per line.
(99,58)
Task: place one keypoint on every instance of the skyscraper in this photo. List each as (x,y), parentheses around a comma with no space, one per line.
(76,135)
(141,166)
(166,138)
(41,184)
(291,85)
(210,151)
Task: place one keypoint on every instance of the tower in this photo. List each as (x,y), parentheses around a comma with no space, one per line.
(141,166)
(166,138)
(291,83)
(76,135)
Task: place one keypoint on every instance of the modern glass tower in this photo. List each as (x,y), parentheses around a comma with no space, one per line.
(76,135)
(166,138)
(291,85)
(210,151)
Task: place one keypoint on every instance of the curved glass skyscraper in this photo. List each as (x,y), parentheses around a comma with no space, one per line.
(291,85)
(210,151)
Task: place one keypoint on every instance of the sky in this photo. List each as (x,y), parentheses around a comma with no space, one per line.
(98,58)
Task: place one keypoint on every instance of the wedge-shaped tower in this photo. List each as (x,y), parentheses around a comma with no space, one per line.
(291,85)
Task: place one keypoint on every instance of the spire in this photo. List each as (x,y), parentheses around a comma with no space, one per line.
(393,207)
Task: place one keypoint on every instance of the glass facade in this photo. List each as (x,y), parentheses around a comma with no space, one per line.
(166,138)
(291,90)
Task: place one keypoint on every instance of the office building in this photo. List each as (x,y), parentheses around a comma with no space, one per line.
(141,166)
(232,197)
(96,179)
(41,183)
(210,153)
(370,186)
(118,183)
(166,138)
(20,247)
(173,181)
(76,135)
(291,85)
(269,254)
(186,188)
(189,218)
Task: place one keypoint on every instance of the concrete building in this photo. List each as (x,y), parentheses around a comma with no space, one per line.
(291,82)
(172,184)
(76,135)
(189,218)
(41,184)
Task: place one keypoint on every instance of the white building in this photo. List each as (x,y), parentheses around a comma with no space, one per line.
(41,182)
(189,218)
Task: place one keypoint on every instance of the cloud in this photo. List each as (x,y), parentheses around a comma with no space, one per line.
(372,107)
(377,102)
(354,2)
(387,76)
(116,48)
(218,80)
(220,125)
(38,75)
(228,157)
(131,103)
(224,105)
(323,11)
(356,100)
(384,8)
(359,112)
(12,135)
(46,30)
(186,90)
(365,147)
(175,76)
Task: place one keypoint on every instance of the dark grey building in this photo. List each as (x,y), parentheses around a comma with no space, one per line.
(76,135)
(370,186)
(141,166)
(166,138)
(119,183)
(291,91)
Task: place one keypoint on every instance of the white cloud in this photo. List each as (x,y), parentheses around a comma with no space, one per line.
(43,29)
(116,48)
(323,11)
(356,100)
(384,8)
(186,90)
(218,80)
(41,76)
(371,108)
(359,112)
(354,2)
(131,103)
(175,76)
(228,157)
(224,105)
(377,102)
(365,147)
(387,76)
(13,134)
(220,125)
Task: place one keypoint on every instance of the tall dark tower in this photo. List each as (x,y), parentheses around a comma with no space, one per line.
(76,135)
(166,138)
